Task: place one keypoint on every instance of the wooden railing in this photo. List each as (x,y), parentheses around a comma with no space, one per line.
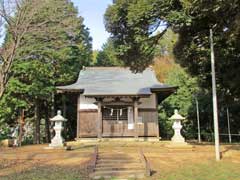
(92,162)
(146,163)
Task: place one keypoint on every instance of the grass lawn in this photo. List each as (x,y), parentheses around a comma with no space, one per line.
(48,173)
(168,163)
(209,170)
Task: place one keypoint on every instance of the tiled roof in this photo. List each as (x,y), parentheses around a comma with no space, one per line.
(115,81)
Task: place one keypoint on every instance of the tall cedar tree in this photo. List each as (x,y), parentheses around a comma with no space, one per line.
(107,56)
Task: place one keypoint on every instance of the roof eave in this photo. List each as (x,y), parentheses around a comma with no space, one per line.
(117,95)
(163,93)
(61,90)
(164,89)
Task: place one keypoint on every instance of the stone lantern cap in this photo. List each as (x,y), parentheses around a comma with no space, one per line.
(58,117)
(176,116)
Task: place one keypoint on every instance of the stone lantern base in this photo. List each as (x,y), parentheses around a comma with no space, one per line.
(57,143)
(178,139)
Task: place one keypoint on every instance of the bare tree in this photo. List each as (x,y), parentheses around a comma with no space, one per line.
(16,16)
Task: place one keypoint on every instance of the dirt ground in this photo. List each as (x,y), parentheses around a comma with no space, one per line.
(167,162)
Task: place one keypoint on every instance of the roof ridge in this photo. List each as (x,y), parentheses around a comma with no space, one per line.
(103,67)
(112,67)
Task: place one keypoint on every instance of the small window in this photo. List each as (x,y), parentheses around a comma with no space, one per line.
(117,113)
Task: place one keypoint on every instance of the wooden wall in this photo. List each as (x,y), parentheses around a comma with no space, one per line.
(88,125)
(149,126)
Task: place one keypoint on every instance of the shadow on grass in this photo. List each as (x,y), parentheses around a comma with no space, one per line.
(82,147)
(47,167)
(49,172)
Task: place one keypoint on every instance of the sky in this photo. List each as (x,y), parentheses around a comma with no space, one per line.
(92,11)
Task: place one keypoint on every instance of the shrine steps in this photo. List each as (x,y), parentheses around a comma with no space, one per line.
(118,166)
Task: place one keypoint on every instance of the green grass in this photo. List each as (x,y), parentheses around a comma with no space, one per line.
(204,171)
(211,170)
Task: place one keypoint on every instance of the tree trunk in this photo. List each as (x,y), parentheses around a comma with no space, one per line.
(52,106)
(47,124)
(21,125)
(37,123)
(64,105)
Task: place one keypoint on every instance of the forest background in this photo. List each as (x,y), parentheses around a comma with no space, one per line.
(47,44)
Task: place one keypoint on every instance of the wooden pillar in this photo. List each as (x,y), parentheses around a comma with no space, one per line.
(78,116)
(157,122)
(99,121)
(135,102)
(157,125)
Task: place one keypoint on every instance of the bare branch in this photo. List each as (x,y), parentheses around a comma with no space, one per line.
(17,17)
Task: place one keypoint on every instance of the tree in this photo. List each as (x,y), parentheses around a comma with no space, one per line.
(163,58)
(192,51)
(162,66)
(13,16)
(182,100)
(166,44)
(133,25)
(52,55)
(94,58)
(107,56)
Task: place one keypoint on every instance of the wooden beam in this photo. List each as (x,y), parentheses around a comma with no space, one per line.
(157,126)
(157,122)
(135,103)
(99,120)
(78,116)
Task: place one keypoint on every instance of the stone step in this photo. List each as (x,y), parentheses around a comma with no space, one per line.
(117,174)
(133,168)
(118,156)
(119,165)
(124,160)
(118,161)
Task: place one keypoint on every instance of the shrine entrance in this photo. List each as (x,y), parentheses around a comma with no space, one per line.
(117,121)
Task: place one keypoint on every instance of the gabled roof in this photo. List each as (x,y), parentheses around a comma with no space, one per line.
(93,81)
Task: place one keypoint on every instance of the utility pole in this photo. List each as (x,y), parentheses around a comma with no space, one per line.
(229,130)
(215,108)
(198,121)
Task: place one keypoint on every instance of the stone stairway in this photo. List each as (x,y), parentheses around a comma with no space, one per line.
(118,165)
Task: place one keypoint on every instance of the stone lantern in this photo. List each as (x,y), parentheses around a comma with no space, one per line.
(57,140)
(177,137)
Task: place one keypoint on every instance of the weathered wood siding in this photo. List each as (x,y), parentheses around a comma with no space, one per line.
(88,123)
(88,120)
(147,128)
(114,129)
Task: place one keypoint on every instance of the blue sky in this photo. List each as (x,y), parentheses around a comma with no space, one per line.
(92,11)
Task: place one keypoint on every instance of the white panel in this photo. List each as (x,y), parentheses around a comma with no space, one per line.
(87,103)
(130,118)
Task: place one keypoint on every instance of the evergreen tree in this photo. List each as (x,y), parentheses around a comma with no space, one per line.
(133,25)
(51,55)
(182,100)
(107,56)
